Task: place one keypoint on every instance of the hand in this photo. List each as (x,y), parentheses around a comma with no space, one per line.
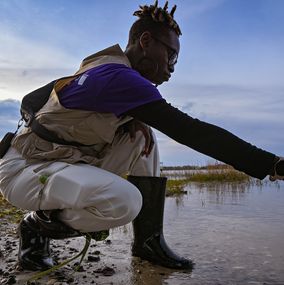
(134,126)
(278,170)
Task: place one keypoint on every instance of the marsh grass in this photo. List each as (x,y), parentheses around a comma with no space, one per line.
(221,175)
(176,187)
(213,174)
(9,212)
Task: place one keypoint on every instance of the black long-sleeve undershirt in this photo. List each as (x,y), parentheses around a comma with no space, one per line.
(205,138)
(200,136)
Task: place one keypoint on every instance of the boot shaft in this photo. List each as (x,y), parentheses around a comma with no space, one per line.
(149,242)
(150,218)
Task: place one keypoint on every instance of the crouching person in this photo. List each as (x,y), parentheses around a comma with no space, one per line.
(66,165)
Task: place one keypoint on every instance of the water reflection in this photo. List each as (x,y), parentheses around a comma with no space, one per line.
(221,193)
(233,232)
(224,193)
(144,273)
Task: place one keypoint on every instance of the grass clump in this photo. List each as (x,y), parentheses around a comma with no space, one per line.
(176,187)
(222,175)
(10,212)
(217,173)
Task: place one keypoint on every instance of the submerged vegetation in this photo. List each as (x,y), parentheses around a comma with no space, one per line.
(176,187)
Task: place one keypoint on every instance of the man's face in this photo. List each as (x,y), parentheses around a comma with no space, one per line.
(163,50)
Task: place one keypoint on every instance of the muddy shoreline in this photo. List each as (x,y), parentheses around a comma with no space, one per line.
(106,262)
(233,233)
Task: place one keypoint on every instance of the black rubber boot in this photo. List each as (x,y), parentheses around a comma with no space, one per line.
(36,229)
(34,251)
(51,226)
(149,242)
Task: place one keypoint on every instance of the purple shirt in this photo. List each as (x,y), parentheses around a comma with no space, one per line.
(109,88)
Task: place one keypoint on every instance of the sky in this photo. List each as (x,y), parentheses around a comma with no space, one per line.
(229,72)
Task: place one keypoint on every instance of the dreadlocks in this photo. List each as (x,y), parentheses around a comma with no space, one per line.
(153,19)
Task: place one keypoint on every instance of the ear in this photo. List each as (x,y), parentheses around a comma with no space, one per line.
(145,39)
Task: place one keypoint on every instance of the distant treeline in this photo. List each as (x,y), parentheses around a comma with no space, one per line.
(184,167)
(216,165)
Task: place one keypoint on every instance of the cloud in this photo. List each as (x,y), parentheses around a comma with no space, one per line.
(254,114)
(225,99)
(18,51)
(194,8)
(26,64)
(9,116)
(9,108)
(173,153)
(16,83)
(187,107)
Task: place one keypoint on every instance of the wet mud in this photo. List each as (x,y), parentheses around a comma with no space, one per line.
(106,262)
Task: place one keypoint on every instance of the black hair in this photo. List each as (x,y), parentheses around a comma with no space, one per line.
(153,19)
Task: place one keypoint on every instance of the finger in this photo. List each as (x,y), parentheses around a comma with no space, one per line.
(152,142)
(147,135)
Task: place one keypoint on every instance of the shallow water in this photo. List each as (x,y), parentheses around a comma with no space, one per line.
(233,232)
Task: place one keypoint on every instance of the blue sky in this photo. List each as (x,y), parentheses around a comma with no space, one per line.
(229,73)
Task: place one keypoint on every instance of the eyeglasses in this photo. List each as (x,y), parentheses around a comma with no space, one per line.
(172,54)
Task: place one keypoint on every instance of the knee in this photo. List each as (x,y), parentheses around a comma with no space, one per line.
(114,208)
(120,203)
(128,204)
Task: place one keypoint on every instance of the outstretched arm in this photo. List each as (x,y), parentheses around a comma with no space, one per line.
(206,138)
